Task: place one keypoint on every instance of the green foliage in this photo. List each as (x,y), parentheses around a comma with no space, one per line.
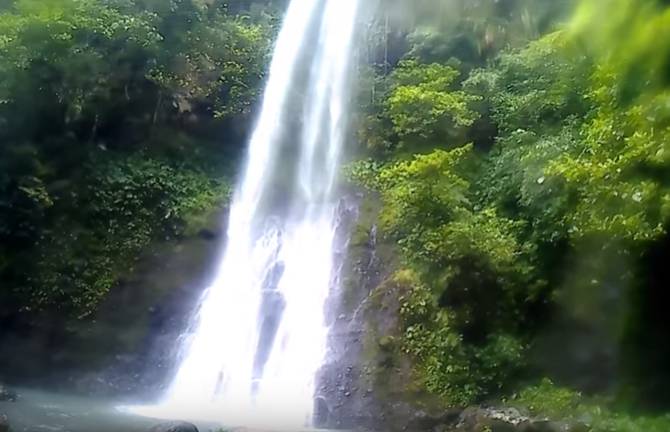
(220,63)
(428,212)
(420,104)
(457,307)
(45,48)
(458,372)
(423,104)
(93,57)
(471,32)
(422,190)
(621,173)
(112,115)
(569,164)
(634,37)
(127,204)
(617,422)
(535,88)
(547,399)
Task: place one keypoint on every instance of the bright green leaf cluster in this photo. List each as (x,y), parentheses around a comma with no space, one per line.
(423,102)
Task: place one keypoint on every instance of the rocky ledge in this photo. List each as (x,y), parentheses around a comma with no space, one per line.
(481,419)
(174,427)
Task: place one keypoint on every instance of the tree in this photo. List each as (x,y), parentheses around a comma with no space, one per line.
(99,155)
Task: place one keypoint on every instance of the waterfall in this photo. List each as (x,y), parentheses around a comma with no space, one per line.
(259,336)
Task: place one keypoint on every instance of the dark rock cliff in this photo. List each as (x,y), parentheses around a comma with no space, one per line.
(129,346)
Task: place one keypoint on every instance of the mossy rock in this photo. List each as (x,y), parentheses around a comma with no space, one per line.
(387,343)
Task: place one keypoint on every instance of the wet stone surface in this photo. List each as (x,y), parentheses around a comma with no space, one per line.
(174,427)
(7,394)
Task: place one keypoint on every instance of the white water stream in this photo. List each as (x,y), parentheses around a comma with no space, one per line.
(259,336)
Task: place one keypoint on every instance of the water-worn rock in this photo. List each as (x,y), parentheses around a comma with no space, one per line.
(4,423)
(504,420)
(174,427)
(7,394)
(476,419)
(424,421)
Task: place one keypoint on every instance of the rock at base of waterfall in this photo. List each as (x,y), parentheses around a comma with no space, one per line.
(4,423)
(494,419)
(173,427)
(476,419)
(321,412)
(7,394)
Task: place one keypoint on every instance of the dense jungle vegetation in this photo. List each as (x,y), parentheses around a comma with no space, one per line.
(515,155)
(120,121)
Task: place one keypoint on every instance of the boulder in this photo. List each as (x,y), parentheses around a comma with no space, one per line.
(475,419)
(173,427)
(557,426)
(424,421)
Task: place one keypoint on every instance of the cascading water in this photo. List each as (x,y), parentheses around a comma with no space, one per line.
(259,337)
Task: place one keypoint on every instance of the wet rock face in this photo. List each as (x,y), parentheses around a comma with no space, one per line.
(406,418)
(423,421)
(172,427)
(478,419)
(7,394)
(129,346)
(321,412)
(344,400)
